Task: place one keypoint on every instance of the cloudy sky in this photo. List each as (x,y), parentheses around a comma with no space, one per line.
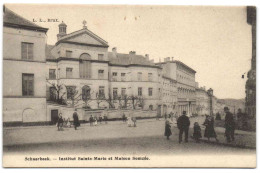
(214,41)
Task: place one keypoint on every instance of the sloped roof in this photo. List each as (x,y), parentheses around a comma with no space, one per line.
(80,32)
(128,59)
(48,51)
(12,19)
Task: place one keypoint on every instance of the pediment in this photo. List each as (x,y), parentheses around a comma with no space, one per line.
(84,37)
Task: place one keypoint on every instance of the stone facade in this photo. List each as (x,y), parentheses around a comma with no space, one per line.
(24,64)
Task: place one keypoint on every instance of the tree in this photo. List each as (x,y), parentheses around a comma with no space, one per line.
(100,97)
(57,92)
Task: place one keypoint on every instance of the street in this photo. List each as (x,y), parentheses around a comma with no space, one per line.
(114,137)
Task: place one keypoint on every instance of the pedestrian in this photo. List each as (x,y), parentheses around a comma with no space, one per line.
(76,120)
(68,123)
(91,120)
(196,132)
(209,131)
(134,121)
(129,121)
(95,121)
(168,131)
(183,124)
(60,122)
(105,119)
(100,119)
(124,117)
(229,125)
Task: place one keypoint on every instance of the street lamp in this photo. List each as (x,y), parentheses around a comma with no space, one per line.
(210,93)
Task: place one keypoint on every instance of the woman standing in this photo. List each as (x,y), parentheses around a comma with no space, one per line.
(60,122)
(210,131)
(75,120)
(168,131)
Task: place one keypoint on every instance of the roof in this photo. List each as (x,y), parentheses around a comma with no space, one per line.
(79,32)
(177,62)
(48,51)
(121,59)
(12,19)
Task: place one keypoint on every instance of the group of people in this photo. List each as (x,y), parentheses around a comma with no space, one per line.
(94,120)
(131,121)
(183,124)
(62,122)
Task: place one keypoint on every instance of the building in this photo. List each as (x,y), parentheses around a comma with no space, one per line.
(24,64)
(183,84)
(202,101)
(250,100)
(83,74)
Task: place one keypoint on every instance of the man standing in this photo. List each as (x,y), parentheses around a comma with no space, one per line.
(76,120)
(229,125)
(183,124)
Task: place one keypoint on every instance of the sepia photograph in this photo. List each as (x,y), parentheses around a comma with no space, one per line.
(129,86)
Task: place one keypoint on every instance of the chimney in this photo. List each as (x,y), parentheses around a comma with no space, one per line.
(146,57)
(62,30)
(132,53)
(114,52)
(172,58)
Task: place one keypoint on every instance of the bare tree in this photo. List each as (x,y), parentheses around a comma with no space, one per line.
(58,95)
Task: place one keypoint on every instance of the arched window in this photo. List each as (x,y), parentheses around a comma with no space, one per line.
(151,107)
(85,66)
(86,92)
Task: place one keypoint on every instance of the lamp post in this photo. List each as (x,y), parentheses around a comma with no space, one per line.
(210,93)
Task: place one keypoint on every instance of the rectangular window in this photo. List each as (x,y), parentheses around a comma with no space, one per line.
(101,57)
(140,93)
(114,76)
(52,93)
(150,77)
(68,53)
(28,84)
(115,93)
(139,76)
(101,92)
(70,91)
(150,91)
(27,51)
(68,72)
(123,91)
(85,69)
(52,74)
(122,76)
(100,74)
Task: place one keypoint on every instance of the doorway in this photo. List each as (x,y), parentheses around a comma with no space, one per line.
(54,116)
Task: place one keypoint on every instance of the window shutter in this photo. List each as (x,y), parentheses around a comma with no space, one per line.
(30,51)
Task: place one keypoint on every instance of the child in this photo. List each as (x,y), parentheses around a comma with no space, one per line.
(168,131)
(196,132)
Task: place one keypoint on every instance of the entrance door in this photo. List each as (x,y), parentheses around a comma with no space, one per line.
(54,116)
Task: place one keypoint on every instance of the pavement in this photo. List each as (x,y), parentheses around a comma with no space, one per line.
(15,136)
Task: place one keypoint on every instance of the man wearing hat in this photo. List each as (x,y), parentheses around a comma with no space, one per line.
(229,125)
(183,124)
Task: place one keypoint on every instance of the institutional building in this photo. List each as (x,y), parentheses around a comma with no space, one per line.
(24,66)
(41,81)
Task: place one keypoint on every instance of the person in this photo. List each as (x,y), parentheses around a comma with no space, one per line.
(76,120)
(124,117)
(68,123)
(168,131)
(209,131)
(105,118)
(196,132)
(60,122)
(134,121)
(91,120)
(129,121)
(100,119)
(229,125)
(95,121)
(183,124)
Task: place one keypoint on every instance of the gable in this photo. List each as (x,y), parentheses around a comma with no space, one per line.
(85,39)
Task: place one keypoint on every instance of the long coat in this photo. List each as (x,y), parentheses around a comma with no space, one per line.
(76,119)
(183,122)
(167,131)
(209,131)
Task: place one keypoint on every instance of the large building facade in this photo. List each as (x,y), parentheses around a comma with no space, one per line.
(79,72)
(24,64)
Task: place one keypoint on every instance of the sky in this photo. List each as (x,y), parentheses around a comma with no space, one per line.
(214,41)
